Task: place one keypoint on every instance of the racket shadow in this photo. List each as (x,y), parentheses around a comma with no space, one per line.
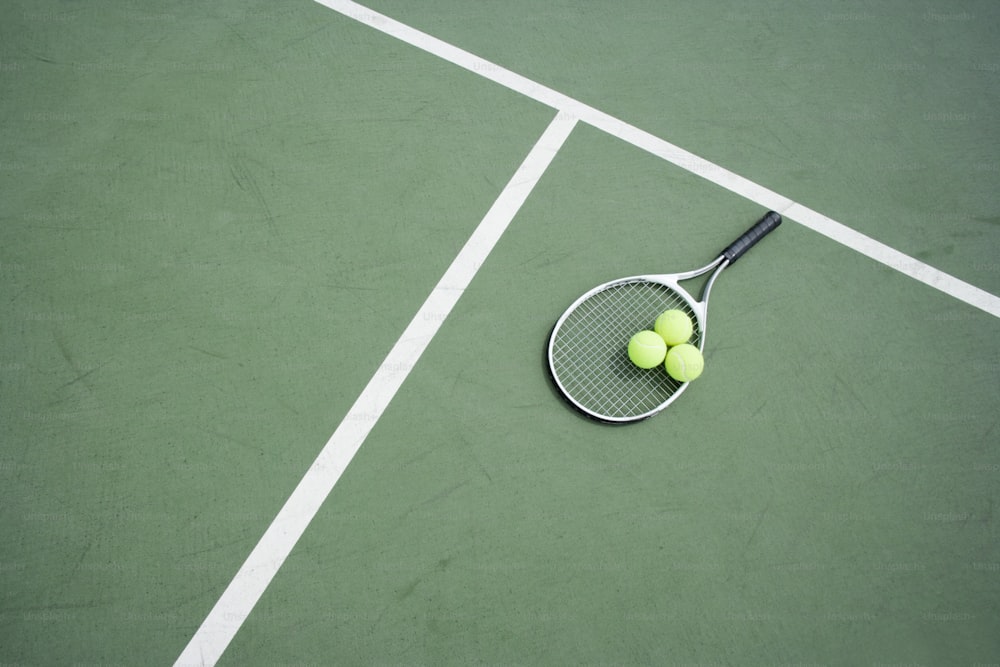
(553,387)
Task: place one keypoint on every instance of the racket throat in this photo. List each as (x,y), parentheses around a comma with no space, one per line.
(702,279)
(707,286)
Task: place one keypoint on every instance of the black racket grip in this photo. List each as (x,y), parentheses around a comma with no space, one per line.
(750,237)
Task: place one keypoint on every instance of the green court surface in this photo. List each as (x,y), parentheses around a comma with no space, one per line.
(217,219)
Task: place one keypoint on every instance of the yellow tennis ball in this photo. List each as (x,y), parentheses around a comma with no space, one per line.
(684,362)
(646,349)
(674,326)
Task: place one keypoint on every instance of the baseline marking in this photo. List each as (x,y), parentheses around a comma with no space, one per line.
(238,600)
(876,250)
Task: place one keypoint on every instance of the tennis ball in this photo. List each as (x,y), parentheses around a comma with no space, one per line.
(646,349)
(684,362)
(674,326)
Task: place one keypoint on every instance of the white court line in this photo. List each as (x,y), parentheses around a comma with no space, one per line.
(246,588)
(243,592)
(744,187)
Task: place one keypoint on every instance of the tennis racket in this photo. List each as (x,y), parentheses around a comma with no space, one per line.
(587,351)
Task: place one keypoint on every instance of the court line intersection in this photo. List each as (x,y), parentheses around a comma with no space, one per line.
(676,155)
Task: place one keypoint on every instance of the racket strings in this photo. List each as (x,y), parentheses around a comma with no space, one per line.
(589,349)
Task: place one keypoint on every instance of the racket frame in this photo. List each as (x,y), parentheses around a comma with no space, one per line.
(699,308)
(670,280)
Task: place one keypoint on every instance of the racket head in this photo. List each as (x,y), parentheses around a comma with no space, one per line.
(588,348)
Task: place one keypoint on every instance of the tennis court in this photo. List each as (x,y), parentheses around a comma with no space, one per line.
(277,282)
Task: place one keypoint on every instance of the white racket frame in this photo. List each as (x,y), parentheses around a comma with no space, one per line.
(671,280)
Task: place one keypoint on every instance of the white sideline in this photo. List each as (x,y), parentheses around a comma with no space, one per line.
(238,600)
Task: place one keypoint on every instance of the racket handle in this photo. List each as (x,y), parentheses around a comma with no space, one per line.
(749,238)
